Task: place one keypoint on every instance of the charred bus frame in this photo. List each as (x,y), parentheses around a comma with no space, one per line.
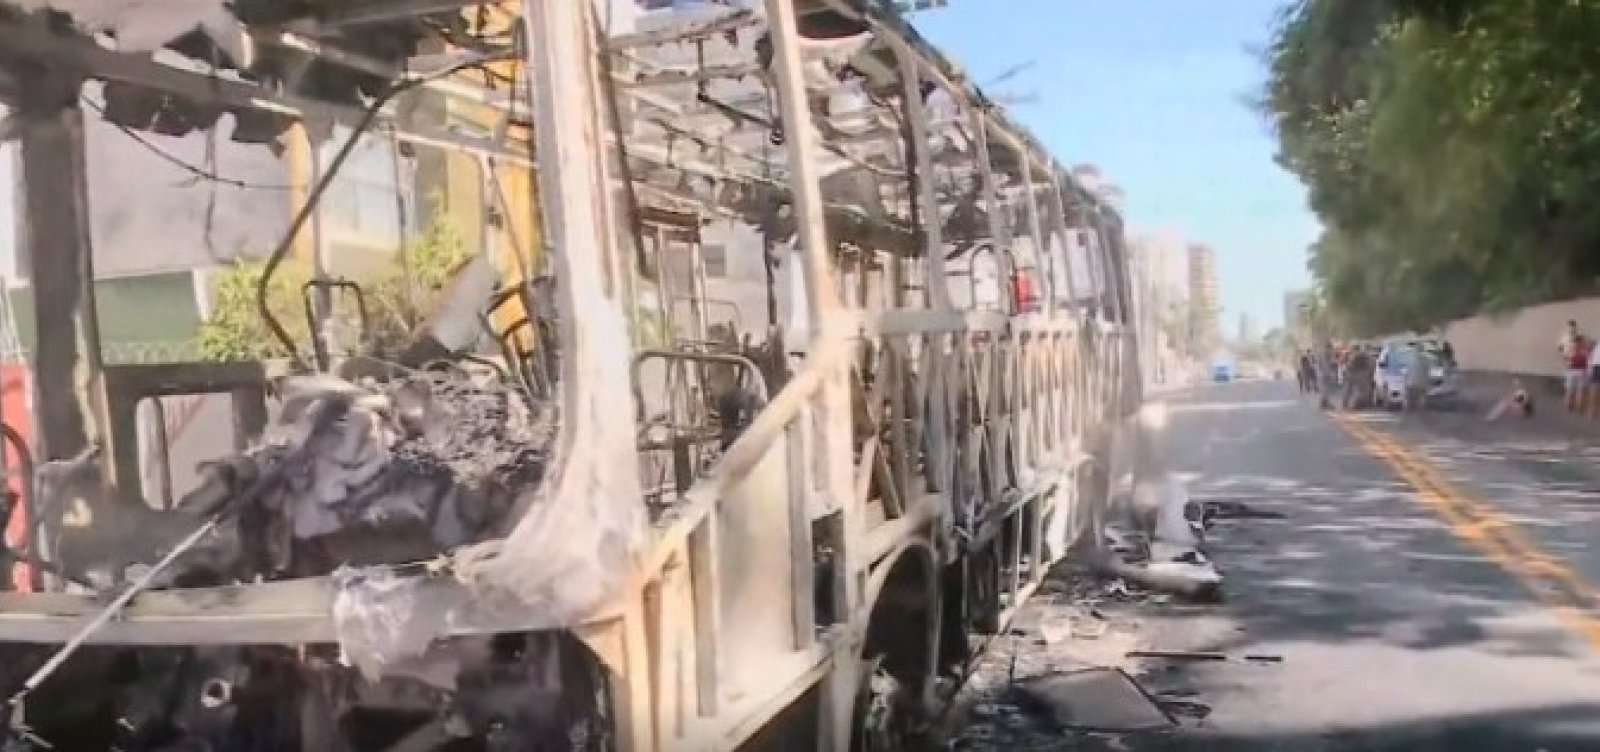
(898,496)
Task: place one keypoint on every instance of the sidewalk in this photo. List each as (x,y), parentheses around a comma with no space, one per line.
(1480,390)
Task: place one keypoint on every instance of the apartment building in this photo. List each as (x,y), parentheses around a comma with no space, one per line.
(1204,305)
(1295,322)
(1158,264)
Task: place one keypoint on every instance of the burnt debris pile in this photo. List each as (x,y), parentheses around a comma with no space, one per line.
(396,473)
(510,692)
(352,475)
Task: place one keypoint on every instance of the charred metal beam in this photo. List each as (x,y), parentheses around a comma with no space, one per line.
(670,77)
(941,72)
(721,25)
(69,399)
(127,385)
(927,190)
(382,12)
(79,53)
(390,72)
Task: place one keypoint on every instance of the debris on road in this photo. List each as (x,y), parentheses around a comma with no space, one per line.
(1197,582)
(1172,523)
(1077,623)
(1187,708)
(1185,655)
(1213,511)
(1095,699)
(1200,655)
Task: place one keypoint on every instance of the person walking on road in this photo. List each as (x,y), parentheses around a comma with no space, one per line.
(1358,376)
(1325,375)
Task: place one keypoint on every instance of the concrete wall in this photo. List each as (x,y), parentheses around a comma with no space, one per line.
(148,215)
(743,288)
(153,221)
(1521,342)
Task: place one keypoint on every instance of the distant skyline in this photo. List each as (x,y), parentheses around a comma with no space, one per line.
(1156,93)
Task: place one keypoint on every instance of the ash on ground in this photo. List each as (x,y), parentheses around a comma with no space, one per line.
(1078,626)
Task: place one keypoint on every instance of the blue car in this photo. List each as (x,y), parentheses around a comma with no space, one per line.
(1221,373)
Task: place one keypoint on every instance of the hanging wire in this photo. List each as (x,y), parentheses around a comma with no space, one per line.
(314,197)
(630,195)
(179,162)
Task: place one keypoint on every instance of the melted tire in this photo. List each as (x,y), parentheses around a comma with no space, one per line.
(882,721)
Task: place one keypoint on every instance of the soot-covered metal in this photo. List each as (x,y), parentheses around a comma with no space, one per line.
(354,475)
(506,693)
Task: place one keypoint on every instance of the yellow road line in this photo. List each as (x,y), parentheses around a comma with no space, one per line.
(1485,522)
(1470,518)
(1554,584)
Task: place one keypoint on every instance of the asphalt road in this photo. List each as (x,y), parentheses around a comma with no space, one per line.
(1416,582)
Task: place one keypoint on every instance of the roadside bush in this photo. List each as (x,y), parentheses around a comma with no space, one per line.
(398,297)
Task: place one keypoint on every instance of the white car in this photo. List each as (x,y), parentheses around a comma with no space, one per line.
(1395,362)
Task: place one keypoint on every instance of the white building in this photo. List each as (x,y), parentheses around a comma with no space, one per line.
(1158,264)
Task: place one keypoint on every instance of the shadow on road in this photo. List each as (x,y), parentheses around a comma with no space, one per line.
(1390,633)
(1529,729)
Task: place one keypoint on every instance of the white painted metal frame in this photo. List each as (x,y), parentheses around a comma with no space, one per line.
(927,191)
(109,65)
(975,428)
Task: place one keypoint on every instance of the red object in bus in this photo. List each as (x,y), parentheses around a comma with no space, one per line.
(1022,292)
(14,392)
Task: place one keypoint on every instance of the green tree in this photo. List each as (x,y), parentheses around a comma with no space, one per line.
(234,330)
(1451,148)
(404,294)
(398,297)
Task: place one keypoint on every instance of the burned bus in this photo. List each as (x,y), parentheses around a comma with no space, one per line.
(815,363)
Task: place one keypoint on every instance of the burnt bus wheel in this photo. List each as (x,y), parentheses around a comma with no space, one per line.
(883,722)
(983,588)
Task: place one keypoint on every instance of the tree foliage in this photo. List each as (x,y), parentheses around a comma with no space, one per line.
(234,330)
(1451,148)
(398,297)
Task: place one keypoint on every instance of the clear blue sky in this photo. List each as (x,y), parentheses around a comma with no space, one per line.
(1155,92)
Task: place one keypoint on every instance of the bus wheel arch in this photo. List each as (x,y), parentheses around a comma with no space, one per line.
(899,653)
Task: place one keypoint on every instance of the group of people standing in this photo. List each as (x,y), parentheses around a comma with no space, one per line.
(1319,372)
(1350,374)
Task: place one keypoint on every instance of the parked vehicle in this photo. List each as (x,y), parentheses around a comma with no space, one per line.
(1395,362)
(1221,373)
